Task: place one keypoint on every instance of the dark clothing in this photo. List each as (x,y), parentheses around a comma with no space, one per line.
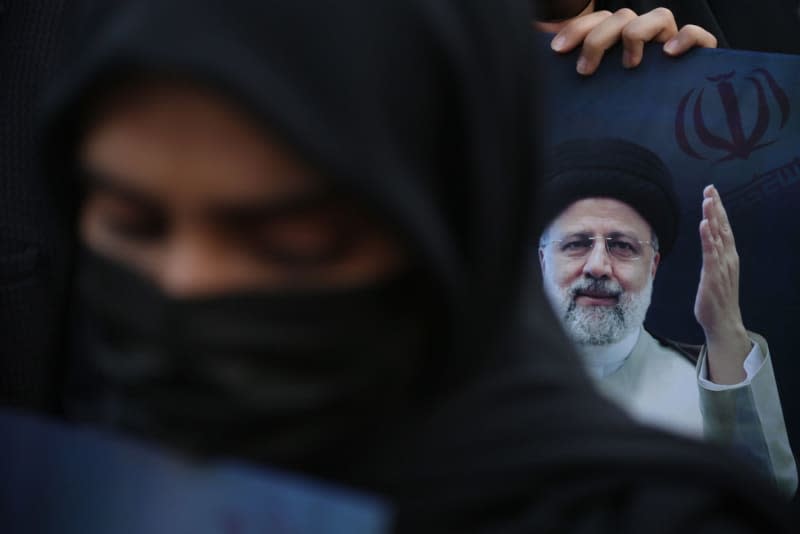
(763,25)
(33,239)
(425,111)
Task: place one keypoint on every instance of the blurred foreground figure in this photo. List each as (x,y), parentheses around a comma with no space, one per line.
(33,237)
(306,234)
(612,215)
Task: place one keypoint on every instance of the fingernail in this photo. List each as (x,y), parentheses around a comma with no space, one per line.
(626,59)
(558,43)
(671,46)
(583,65)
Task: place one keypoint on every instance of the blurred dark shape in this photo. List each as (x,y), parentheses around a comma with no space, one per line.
(555,10)
(33,237)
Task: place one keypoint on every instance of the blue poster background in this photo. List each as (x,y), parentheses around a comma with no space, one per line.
(57,479)
(731,118)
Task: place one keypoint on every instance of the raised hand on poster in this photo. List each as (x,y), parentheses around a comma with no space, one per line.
(716,306)
(598,31)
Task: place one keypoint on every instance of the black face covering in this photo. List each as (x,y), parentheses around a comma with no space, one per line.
(555,10)
(269,377)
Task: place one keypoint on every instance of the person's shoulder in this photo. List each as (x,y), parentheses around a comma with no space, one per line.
(687,350)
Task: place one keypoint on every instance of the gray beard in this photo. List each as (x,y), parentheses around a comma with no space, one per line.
(599,325)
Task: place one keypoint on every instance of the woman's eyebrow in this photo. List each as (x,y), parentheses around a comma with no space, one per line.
(277,206)
(103,182)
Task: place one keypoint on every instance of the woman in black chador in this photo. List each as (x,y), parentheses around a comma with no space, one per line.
(307,232)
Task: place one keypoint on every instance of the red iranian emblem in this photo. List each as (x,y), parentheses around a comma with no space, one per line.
(736,143)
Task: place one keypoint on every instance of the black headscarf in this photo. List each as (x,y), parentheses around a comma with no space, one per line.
(33,236)
(555,10)
(425,110)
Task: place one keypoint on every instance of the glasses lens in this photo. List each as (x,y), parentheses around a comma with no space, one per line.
(624,248)
(576,247)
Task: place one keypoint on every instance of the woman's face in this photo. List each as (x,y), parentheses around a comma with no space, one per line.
(185,189)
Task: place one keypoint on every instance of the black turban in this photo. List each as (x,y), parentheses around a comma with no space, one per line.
(612,168)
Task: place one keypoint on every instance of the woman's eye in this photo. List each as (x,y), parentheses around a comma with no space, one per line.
(126,219)
(306,240)
(138,229)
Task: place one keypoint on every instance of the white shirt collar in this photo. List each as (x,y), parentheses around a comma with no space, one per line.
(603,360)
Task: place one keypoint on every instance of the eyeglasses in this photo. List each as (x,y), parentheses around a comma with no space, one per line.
(579,246)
